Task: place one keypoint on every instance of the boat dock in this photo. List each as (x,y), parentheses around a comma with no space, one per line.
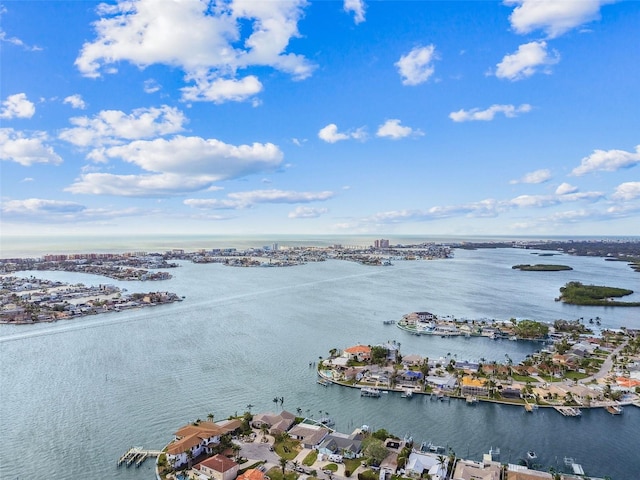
(530,407)
(369,392)
(569,411)
(137,456)
(576,467)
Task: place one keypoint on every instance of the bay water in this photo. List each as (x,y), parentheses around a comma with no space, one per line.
(75,395)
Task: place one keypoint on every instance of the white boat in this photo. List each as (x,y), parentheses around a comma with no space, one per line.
(369,392)
(407,394)
(531,455)
(471,400)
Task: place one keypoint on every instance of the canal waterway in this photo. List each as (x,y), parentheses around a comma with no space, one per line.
(75,395)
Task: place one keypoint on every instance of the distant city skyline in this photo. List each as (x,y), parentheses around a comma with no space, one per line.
(351,117)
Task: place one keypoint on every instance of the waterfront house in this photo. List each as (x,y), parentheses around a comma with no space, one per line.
(277,423)
(193,440)
(520,472)
(412,360)
(217,467)
(359,353)
(310,436)
(470,470)
(349,446)
(418,463)
(410,376)
(474,386)
(445,382)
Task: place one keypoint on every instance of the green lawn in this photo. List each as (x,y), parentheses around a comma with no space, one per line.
(524,378)
(275,473)
(287,448)
(311,458)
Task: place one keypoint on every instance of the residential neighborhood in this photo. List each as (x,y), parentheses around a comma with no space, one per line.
(283,446)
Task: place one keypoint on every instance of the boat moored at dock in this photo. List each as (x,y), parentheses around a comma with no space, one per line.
(369,392)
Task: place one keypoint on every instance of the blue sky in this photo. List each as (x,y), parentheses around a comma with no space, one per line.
(519,117)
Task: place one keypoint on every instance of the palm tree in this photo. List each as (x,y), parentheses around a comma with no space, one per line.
(275,400)
(249,407)
(283,464)
(299,411)
(210,417)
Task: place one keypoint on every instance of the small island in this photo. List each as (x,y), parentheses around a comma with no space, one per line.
(575,293)
(540,267)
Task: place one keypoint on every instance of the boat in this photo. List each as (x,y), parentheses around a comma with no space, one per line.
(435,448)
(531,455)
(369,392)
(388,322)
(471,400)
(407,394)
(323,382)
(614,409)
(327,421)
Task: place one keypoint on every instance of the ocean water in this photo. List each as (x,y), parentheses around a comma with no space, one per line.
(75,395)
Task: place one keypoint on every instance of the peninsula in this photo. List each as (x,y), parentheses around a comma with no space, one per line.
(579,371)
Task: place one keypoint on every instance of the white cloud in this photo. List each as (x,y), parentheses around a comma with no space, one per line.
(151,86)
(358,8)
(554,17)
(209,42)
(76,101)
(481,209)
(509,111)
(417,66)
(16,147)
(307,212)
(607,161)
(565,188)
(114,126)
(240,200)
(38,206)
(147,185)
(392,129)
(538,176)
(199,156)
(17,42)
(17,106)
(220,90)
(542,201)
(330,134)
(179,165)
(58,211)
(530,58)
(627,191)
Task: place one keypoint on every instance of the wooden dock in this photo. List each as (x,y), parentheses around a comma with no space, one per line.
(136,456)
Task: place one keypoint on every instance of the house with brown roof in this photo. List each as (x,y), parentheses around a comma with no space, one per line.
(359,353)
(217,467)
(277,423)
(252,474)
(193,440)
(520,472)
(310,436)
(470,470)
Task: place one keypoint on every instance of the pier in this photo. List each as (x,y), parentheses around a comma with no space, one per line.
(569,411)
(137,456)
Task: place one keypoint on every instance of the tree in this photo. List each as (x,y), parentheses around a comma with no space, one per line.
(210,417)
(249,407)
(283,464)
